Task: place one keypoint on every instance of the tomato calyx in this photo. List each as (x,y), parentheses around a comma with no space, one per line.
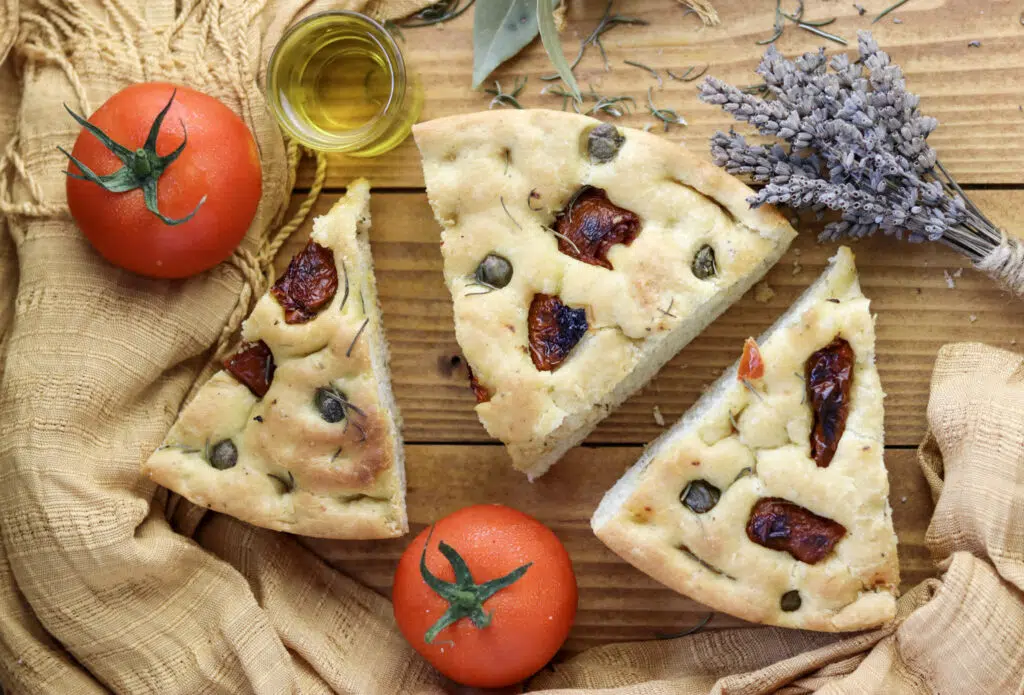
(464,596)
(142,167)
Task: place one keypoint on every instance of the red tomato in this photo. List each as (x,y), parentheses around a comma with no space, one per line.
(220,161)
(529,619)
(751,362)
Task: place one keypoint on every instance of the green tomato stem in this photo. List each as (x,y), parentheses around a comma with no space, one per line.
(464,596)
(142,168)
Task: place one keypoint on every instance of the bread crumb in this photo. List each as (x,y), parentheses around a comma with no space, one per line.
(796,252)
(972,318)
(659,419)
(950,282)
(958,272)
(797,268)
(763,292)
(903,499)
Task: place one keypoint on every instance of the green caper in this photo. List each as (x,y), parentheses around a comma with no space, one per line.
(223,455)
(790,601)
(700,496)
(704,266)
(331,404)
(494,271)
(604,142)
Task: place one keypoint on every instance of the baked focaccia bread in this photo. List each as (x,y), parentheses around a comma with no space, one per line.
(580,258)
(769,498)
(300,431)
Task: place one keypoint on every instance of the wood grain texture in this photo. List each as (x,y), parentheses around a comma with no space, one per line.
(916,314)
(617,602)
(975,92)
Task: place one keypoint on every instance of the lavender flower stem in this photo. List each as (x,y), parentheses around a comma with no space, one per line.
(855,142)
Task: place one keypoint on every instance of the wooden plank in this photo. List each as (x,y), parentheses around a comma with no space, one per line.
(974,92)
(617,602)
(917,313)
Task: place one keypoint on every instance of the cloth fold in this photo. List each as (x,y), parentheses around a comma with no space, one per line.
(110,584)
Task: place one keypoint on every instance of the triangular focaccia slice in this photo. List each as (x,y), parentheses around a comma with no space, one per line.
(769,498)
(580,257)
(300,432)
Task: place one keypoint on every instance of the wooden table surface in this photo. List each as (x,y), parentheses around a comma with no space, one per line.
(975,92)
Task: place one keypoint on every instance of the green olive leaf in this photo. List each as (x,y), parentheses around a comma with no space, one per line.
(553,45)
(500,30)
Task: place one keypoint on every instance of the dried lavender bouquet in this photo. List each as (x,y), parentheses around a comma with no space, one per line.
(858,144)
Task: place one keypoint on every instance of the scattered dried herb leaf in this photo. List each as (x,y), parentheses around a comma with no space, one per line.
(651,70)
(503,98)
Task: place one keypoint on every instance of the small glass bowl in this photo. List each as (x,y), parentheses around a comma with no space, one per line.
(328,38)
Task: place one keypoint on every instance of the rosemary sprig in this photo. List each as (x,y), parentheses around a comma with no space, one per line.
(666,116)
(777,26)
(443,11)
(810,23)
(651,70)
(348,353)
(344,270)
(501,97)
(686,76)
(750,387)
(803,396)
(668,312)
(608,22)
(615,107)
(505,208)
(823,34)
(346,405)
(813,26)
(565,239)
(696,628)
(890,8)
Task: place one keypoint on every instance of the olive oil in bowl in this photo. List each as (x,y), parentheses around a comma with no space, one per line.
(337,82)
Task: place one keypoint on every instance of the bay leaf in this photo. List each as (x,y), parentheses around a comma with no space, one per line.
(553,45)
(501,28)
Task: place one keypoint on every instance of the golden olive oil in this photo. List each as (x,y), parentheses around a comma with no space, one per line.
(338,82)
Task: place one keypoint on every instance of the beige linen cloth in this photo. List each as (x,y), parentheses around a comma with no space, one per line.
(100,592)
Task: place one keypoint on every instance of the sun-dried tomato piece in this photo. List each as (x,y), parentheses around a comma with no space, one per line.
(554,329)
(479,390)
(594,224)
(751,362)
(781,525)
(308,285)
(829,379)
(253,365)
